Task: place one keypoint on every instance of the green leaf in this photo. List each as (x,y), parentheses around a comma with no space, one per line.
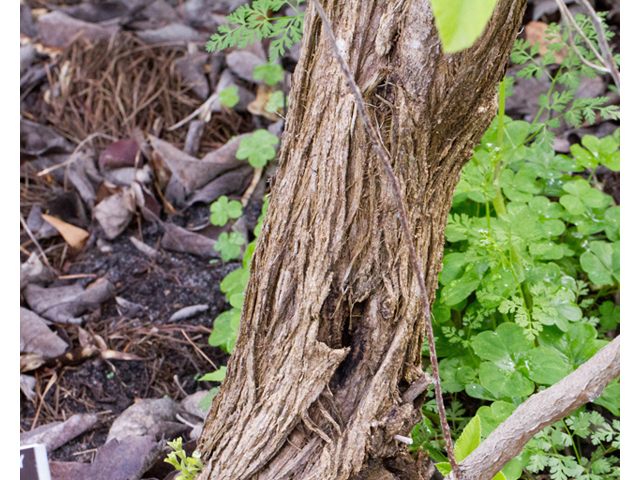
(582,195)
(444,468)
(491,417)
(258,148)
(217,376)
(456,373)
(225,330)
(205,403)
(609,315)
(235,282)
(602,262)
(513,469)
(504,381)
(222,210)
(461,22)
(546,366)
(519,187)
(452,267)
(578,344)
(271,73)
(499,346)
(229,97)
(229,245)
(612,223)
(460,288)
(610,398)
(469,440)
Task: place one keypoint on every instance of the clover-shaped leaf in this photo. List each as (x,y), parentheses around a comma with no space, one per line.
(581,195)
(271,73)
(223,209)
(612,223)
(258,148)
(520,186)
(603,151)
(225,330)
(229,245)
(229,96)
(609,315)
(503,374)
(491,417)
(578,344)
(276,101)
(602,262)
(546,366)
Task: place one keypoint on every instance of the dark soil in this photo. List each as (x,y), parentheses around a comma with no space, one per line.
(161,287)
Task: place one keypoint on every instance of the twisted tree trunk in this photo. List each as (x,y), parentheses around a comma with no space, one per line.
(332,329)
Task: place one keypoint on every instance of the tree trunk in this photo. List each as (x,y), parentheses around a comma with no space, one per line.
(332,330)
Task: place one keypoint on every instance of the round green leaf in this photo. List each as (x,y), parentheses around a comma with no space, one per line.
(461,22)
(504,381)
(501,345)
(491,417)
(546,366)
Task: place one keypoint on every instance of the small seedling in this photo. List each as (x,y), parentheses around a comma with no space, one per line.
(229,97)
(223,209)
(271,73)
(258,148)
(229,245)
(188,466)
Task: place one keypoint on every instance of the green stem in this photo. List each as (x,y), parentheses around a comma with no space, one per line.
(573,443)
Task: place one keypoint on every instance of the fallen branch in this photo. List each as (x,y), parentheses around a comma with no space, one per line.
(542,409)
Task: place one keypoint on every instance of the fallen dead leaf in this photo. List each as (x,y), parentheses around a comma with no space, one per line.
(76,237)
(179,239)
(31,361)
(36,337)
(56,434)
(535,32)
(143,418)
(28,385)
(115,212)
(263,104)
(34,271)
(193,173)
(65,304)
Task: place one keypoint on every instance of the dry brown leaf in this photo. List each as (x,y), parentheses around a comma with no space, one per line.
(534,32)
(76,237)
(31,361)
(113,355)
(260,106)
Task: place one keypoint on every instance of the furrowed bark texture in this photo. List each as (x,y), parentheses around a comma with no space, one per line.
(332,329)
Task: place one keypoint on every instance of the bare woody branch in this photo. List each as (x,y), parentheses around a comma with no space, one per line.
(508,440)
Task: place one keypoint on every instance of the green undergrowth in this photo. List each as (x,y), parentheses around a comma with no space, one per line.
(531,265)
(531,269)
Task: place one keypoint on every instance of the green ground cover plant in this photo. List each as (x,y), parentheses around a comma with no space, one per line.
(530,272)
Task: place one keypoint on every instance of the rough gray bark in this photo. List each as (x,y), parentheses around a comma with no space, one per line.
(331,330)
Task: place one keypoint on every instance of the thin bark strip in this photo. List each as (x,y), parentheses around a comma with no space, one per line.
(332,322)
(402,214)
(542,409)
